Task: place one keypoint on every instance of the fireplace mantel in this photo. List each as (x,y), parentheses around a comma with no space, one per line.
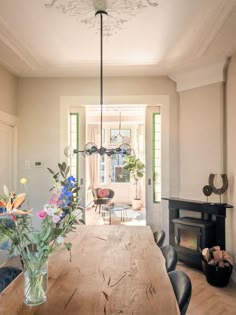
(198,206)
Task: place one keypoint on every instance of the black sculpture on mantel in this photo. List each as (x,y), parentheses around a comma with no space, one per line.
(207,190)
(211,188)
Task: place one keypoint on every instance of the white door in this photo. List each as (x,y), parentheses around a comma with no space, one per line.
(153,167)
(7,157)
(77,141)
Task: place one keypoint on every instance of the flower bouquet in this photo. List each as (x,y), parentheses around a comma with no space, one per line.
(59,217)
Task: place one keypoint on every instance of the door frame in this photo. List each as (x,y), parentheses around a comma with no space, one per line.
(66,102)
(11,121)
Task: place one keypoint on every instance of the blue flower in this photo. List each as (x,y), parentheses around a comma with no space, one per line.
(65,196)
(2,210)
(71,181)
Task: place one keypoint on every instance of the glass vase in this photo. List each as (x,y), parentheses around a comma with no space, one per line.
(36,281)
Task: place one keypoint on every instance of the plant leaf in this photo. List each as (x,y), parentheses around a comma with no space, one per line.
(6,191)
(51,171)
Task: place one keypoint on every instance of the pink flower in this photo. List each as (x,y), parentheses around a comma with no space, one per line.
(53,200)
(13,217)
(42,214)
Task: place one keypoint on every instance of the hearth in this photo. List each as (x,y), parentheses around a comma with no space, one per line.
(189,235)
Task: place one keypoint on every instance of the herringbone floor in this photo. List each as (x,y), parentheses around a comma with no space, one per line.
(207,299)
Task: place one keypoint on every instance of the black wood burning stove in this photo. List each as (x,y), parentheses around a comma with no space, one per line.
(190,235)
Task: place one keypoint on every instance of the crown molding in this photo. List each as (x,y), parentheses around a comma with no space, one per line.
(199,77)
(23,56)
(213,21)
(203,30)
(7,119)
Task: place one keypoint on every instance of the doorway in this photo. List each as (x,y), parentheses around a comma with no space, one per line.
(154,216)
(121,124)
(7,140)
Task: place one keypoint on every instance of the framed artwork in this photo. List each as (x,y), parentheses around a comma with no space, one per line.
(120,136)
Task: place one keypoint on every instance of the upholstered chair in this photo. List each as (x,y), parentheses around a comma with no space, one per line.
(171,257)
(182,287)
(102,196)
(7,275)
(159,237)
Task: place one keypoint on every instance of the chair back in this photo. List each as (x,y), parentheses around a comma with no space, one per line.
(182,287)
(7,275)
(171,257)
(109,193)
(159,237)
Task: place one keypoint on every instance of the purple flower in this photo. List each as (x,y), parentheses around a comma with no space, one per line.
(55,218)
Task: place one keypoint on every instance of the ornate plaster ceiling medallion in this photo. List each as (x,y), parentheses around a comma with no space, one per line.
(119,11)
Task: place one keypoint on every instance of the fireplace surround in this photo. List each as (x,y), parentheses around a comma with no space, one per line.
(189,235)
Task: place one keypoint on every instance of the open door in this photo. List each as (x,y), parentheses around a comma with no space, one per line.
(77,141)
(8,151)
(7,157)
(73,131)
(157,164)
(153,166)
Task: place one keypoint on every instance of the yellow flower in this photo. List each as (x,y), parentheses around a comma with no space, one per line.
(23,180)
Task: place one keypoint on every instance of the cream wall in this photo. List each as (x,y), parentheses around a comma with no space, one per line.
(201,136)
(38,103)
(202,143)
(231,147)
(8,86)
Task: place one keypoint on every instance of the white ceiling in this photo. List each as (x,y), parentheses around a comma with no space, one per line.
(36,40)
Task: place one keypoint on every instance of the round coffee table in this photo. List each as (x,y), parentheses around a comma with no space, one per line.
(117,207)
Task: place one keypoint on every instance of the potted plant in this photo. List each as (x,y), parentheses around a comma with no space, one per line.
(136,169)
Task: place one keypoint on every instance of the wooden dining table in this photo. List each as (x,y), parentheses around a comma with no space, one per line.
(114,269)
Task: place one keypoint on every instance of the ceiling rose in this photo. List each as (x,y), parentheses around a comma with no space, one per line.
(119,11)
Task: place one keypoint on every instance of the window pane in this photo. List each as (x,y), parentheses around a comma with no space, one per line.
(74,142)
(156,156)
(118,173)
(102,169)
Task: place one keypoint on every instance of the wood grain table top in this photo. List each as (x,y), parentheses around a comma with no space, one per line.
(114,270)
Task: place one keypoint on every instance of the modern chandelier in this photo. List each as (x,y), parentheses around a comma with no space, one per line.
(92,148)
(119,136)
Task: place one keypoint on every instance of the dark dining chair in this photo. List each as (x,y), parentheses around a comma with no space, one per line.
(7,275)
(159,237)
(102,196)
(171,257)
(182,287)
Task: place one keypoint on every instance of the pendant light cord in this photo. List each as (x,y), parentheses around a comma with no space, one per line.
(101,72)
(101,65)
(92,148)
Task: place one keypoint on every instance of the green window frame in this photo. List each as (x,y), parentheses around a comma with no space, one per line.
(156,156)
(74,142)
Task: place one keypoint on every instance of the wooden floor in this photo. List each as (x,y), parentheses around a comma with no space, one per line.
(207,299)
(131,217)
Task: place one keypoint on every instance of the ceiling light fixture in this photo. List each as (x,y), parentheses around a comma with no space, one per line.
(120,11)
(92,148)
(119,136)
